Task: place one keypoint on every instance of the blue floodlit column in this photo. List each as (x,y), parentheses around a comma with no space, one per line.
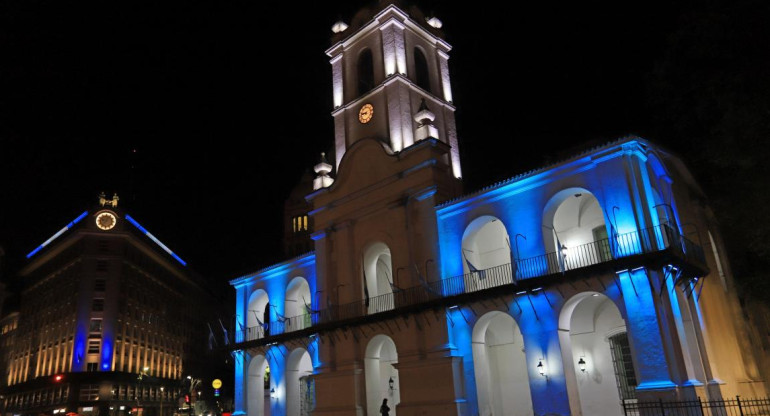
(644,334)
(539,327)
(239,399)
(277,361)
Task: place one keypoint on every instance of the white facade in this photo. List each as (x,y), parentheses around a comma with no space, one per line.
(564,291)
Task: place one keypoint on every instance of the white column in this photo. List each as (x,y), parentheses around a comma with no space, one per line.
(393,48)
(337,84)
(443,63)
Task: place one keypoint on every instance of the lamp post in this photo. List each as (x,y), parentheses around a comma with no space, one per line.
(161,400)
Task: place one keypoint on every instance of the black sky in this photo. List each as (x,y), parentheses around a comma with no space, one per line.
(227,102)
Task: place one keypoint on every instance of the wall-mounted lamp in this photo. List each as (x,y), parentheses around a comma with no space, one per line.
(390,383)
(541,368)
(564,251)
(272,393)
(582,364)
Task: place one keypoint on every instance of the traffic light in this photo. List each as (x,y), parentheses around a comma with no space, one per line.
(187,398)
(57,378)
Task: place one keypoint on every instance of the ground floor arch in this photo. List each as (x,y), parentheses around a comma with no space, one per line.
(500,367)
(298,366)
(382,381)
(257,385)
(597,355)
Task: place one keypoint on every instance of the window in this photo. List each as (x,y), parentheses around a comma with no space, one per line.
(95,326)
(92,367)
(100,285)
(602,243)
(624,367)
(98,305)
(93,346)
(421,74)
(299,223)
(365,72)
(101,265)
(104,245)
(89,392)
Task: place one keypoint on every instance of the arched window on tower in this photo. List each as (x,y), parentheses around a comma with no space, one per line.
(421,74)
(365,72)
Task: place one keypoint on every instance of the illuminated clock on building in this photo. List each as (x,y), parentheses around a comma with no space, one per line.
(366,113)
(106,220)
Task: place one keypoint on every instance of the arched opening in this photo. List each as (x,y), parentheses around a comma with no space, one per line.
(296,308)
(486,253)
(299,397)
(365,72)
(421,74)
(381,375)
(258,315)
(593,336)
(258,387)
(500,367)
(378,277)
(575,231)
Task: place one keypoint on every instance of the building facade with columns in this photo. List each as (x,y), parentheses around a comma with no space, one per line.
(567,290)
(111,322)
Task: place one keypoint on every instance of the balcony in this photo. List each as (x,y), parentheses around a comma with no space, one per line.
(653,247)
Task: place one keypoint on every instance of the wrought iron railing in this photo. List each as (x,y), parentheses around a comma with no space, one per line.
(721,407)
(649,240)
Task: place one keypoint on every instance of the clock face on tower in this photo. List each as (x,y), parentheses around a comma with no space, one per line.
(106,220)
(366,113)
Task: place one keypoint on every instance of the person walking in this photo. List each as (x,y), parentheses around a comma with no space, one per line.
(384,409)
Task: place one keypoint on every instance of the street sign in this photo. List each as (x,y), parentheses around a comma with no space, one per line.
(217,383)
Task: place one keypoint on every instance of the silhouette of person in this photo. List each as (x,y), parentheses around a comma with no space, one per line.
(384,409)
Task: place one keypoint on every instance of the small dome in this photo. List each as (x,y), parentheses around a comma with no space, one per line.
(339,27)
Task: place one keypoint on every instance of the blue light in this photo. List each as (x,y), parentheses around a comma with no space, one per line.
(58,233)
(153,238)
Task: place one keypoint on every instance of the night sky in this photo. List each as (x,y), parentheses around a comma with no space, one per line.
(226,103)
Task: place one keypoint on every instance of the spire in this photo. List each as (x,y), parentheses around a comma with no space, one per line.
(322,169)
(426,129)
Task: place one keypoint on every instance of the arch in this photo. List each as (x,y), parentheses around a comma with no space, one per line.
(297,301)
(379,369)
(365,71)
(575,230)
(421,72)
(257,315)
(592,334)
(378,277)
(500,366)
(257,387)
(298,367)
(486,253)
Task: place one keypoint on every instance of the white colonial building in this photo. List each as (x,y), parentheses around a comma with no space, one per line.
(568,290)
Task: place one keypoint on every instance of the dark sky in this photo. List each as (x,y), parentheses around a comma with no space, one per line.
(227,102)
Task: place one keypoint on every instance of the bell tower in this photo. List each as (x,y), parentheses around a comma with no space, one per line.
(387,72)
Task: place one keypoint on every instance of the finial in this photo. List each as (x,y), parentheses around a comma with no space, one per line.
(323,168)
(339,27)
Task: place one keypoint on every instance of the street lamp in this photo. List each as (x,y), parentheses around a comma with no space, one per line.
(161,400)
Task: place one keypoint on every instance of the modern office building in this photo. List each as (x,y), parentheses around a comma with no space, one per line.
(111,321)
(567,290)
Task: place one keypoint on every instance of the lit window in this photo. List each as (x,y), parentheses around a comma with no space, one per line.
(98,305)
(96,325)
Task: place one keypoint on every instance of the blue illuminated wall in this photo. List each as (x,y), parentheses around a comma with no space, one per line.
(273,280)
(616,176)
